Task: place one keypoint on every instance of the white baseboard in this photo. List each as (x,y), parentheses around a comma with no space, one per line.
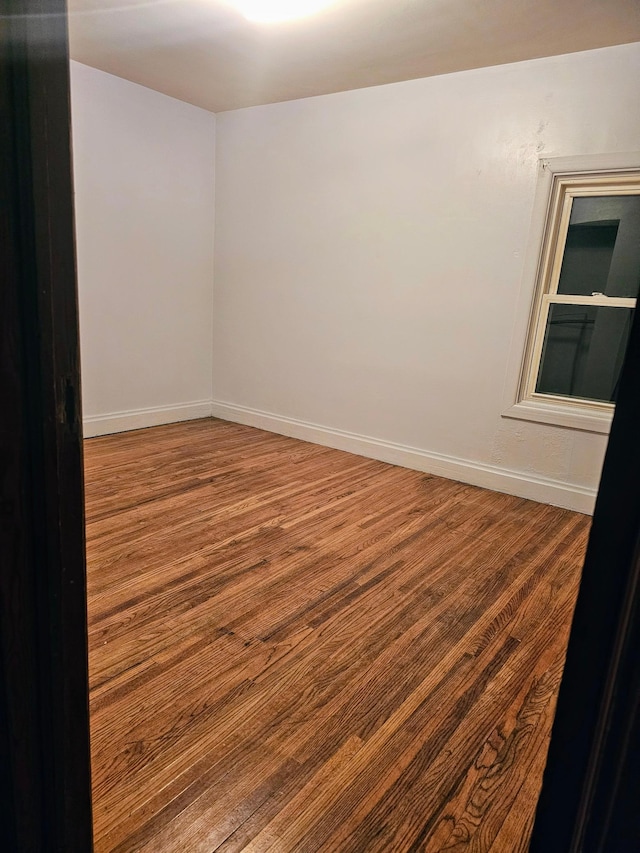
(95,425)
(521,484)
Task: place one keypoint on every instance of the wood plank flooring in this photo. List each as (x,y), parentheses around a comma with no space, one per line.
(295,649)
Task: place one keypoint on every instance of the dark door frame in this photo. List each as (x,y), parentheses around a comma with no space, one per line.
(45,796)
(588,798)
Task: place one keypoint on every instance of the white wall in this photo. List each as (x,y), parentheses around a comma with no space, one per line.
(369,256)
(144,180)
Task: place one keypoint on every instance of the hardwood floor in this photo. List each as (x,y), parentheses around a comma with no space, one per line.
(297,649)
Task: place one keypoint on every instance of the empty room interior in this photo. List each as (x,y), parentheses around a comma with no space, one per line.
(355,281)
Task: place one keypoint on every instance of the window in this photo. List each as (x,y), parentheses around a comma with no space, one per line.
(586,291)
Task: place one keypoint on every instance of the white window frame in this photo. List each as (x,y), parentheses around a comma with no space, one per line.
(560,180)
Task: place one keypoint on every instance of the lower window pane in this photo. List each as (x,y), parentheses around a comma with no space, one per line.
(583,350)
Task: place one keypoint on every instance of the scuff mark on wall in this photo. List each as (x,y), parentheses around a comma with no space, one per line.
(533,448)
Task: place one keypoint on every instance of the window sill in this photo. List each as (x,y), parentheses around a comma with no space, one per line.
(565,415)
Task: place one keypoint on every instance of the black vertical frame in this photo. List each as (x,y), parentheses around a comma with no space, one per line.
(45,802)
(590,800)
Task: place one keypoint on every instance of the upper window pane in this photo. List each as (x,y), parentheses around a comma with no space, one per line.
(602,250)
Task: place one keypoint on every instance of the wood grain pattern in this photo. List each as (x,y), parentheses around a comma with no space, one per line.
(297,649)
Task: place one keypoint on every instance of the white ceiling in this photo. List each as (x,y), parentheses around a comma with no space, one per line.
(205,52)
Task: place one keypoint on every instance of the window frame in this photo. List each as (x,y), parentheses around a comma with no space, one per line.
(560,181)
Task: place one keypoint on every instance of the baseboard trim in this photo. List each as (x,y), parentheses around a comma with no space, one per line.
(541,489)
(95,425)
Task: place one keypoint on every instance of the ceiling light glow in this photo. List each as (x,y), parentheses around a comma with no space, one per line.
(272,11)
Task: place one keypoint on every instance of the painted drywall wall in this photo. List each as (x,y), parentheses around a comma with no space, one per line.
(144,183)
(370,248)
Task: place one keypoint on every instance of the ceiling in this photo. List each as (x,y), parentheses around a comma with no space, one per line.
(207,53)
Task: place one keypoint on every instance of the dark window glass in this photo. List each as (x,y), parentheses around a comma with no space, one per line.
(602,251)
(583,350)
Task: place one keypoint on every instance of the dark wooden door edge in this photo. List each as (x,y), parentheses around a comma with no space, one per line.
(44,744)
(611,817)
(588,803)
